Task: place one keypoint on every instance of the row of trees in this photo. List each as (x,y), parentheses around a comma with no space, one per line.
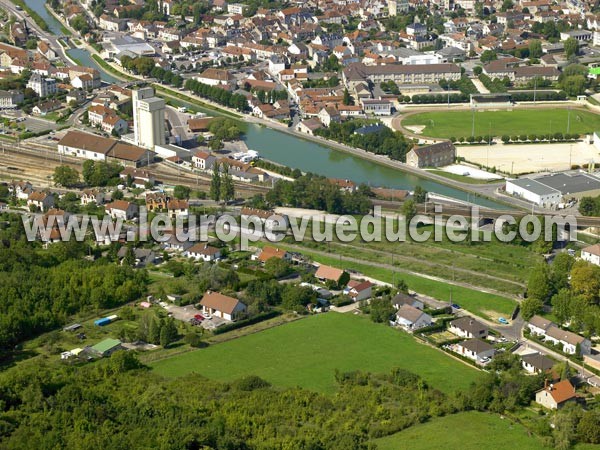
(221,184)
(382,142)
(218,95)
(100,173)
(145,66)
(556,137)
(316,192)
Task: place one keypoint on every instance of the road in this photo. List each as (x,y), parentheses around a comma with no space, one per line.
(178,127)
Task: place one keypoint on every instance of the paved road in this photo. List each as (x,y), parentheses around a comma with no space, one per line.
(178,126)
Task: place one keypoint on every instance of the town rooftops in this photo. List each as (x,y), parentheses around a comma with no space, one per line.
(328,273)
(561,391)
(220,302)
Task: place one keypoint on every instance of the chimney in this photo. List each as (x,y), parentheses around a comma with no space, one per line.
(545,384)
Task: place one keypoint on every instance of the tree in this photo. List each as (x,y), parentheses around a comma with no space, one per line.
(402,286)
(117,194)
(226,185)
(585,281)
(571,47)
(65,176)
(420,194)
(168,333)
(538,286)
(477,70)
(530,307)
(347,98)
(535,48)
(488,56)
(588,427)
(409,210)
(181,192)
(215,183)
(381,310)
(561,305)
(129,258)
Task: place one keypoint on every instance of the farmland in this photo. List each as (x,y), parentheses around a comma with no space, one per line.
(307,353)
(458,124)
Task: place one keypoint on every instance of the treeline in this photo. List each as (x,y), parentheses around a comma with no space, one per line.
(464,85)
(217,95)
(495,85)
(316,192)
(382,142)
(142,65)
(589,206)
(440,98)
(41,289)
(539,96)
(555,137)
(571,287)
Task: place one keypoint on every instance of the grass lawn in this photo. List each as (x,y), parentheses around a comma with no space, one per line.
(518,122)
(465,431)
(307,352)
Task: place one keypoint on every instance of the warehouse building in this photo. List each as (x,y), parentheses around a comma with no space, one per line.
(550,190)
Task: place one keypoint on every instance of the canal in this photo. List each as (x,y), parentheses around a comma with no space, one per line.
(298,153)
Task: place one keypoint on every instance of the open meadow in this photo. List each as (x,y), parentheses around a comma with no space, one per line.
(307,353)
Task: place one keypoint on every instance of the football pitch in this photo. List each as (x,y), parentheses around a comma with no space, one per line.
(447,124)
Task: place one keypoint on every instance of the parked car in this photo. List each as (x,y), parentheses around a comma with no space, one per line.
(503,321)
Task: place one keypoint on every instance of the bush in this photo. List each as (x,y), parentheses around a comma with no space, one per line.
(506,139)
(244,323)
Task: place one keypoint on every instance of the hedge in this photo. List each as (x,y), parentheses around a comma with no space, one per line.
(246,322)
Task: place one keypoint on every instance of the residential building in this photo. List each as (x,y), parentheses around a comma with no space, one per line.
(537,363)
(269,252)
(403,74)
(468,327)
(121,209)
(358,290)
(223,306)
(538,325)
(41,200)
(10,99)
(571,343)
(203,160)
(555,396)
(412,319)
(475,349)
(327,273)
(401,299)
(203,251)
(434,155)
(591,254)
(41,85)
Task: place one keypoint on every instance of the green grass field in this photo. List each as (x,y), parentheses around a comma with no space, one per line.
(307,352)
(464,431)
(539,121)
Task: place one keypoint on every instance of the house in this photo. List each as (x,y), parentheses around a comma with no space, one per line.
(571,343)
(178,208)
(269,218)
(327,273)
(401,299)
(220,305)
(538,325)
(10,99)
(43,108)
(143,256)
(411,318)
(41,200)
(434,155)
(203,251)
(173,243)
(358,290)
(203,160)
(269,252)
(20,189)
(156,201)
(92,196)
(537,363)
(591,254)
(555,396)
(328,115)
(468,327)
(475,349)
(121,209)
(377,107)
(309,126)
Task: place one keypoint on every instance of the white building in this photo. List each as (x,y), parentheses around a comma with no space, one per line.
(591,254)
(411,318)
(10,99)
(220,305)
(148,118)
(533,191)
(41,85)
(203,251)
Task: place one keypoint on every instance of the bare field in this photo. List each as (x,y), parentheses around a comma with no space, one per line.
(526,158)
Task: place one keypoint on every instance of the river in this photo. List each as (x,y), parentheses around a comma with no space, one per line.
(298,153)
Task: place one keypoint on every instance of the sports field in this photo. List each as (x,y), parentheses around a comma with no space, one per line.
(307,352)
(446,124)
(464,431)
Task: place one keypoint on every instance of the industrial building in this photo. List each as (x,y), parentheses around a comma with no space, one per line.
(148,118)
(550,190)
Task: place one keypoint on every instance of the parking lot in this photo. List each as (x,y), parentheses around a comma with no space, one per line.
(186,313)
